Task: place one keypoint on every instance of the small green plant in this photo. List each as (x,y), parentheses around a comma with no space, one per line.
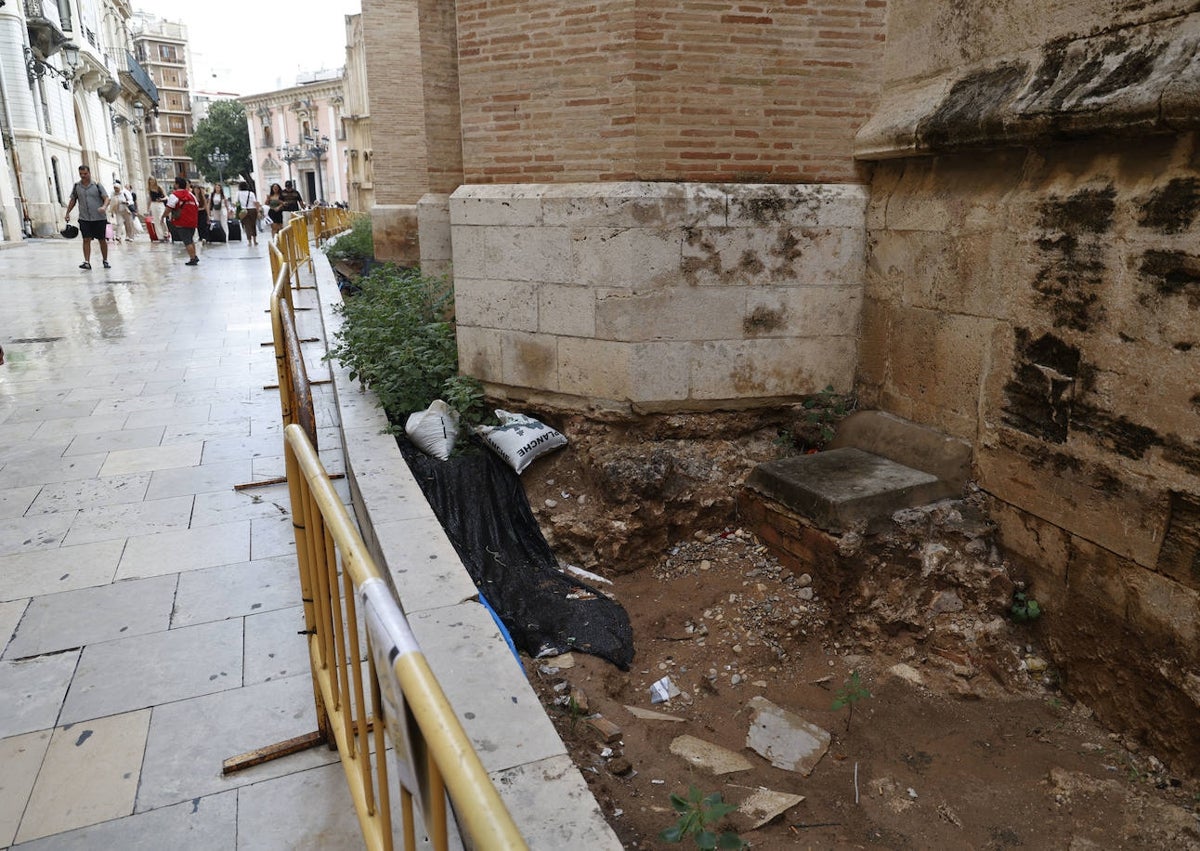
(816,422)
(852,692)
(355,246)
(699,815)
(575,712)
(398,339)
(1024,608)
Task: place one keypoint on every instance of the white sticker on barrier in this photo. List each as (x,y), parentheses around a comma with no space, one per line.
(390,637)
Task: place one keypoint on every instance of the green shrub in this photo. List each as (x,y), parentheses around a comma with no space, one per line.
(356,245)
(398,339)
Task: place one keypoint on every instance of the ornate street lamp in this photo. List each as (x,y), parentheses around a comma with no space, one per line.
(219,160)
(36,68)
(290,153)
(317,146)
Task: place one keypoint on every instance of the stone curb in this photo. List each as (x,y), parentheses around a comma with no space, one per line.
(519,747)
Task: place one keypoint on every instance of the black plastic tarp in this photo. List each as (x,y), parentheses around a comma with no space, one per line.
(481,504)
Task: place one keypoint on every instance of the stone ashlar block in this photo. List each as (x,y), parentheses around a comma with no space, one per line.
(839,488)
(498,304)
(748,369)
(634,205)
(513,253)
(566,311)
(678,313)
(1052,482)
(636,257)
(806,205)
(433,231)
(778,255)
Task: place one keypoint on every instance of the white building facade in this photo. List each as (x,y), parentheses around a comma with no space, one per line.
(299,133)
(71,92)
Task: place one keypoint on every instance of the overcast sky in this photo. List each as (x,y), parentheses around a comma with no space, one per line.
(252,46)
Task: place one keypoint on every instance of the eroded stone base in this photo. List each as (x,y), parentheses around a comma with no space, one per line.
(659,296)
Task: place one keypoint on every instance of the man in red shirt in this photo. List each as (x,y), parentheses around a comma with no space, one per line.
(184,217)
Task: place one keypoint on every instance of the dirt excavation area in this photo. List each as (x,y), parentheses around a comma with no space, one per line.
(890,702)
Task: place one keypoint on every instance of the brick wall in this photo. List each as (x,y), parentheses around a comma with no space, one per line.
(658,90)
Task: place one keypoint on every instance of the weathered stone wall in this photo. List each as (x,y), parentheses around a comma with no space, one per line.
(1034,286)
(658,296)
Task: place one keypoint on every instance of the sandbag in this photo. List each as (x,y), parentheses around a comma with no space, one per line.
(434,430)
(520,439)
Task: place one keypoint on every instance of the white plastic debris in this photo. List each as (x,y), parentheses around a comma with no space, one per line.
(663,690)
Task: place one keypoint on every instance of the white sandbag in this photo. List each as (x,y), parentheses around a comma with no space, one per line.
(520,439)
(434,430)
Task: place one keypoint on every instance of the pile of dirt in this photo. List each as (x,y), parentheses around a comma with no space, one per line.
(950,730)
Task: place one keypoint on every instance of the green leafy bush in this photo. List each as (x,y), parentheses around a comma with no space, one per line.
(356,245)
(398,339)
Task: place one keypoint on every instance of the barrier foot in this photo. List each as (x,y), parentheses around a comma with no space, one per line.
(275,751)
(311,383)
(278,480)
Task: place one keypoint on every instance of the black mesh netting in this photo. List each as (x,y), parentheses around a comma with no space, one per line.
(482,506)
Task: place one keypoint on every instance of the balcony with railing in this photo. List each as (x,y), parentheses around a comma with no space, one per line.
(133,73)
(45,25)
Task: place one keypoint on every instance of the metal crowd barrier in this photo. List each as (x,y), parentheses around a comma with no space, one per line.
(329,221)
(346,595)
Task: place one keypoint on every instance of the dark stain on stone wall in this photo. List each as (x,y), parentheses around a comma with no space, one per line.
(1135,68)
(1082,70)
(1112,431)
(1182,454)
(762,320)
(766,210)
(1071,231)
(1172,208)
(1179,555)
(1038,397)
(1173,273)
(972,105)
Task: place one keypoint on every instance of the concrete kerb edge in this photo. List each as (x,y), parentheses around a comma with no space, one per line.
(538,800)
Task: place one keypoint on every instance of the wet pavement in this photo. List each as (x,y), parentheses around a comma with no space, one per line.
(149,612)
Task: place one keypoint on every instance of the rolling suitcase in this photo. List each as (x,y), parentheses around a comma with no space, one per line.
(151,229)
(215,234)
(235,230)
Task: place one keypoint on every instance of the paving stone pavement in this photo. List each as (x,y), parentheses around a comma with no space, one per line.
(148,611)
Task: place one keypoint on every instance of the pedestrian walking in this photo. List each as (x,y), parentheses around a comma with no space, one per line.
(218,211)
(186,216)
(157,213)
(275,208)
(248,206)
(120,205)
(293,201)
(93,215)
(202,213)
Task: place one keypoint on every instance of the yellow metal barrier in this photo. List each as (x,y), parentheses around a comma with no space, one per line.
(442,759)
(432,751)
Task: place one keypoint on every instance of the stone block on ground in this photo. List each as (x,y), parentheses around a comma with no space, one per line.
(784,738)
(840,488)
(712,758)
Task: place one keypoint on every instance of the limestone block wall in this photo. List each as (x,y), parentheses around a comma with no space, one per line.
(1033,286)
(658,296)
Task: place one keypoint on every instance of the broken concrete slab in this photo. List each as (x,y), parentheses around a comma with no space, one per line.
(651,715)
(784,738)
(765,805)
(712,758)
(840,488)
